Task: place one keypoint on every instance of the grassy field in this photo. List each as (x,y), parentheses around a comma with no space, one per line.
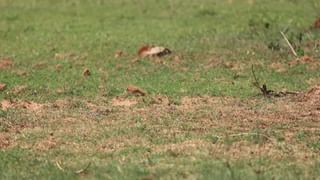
(202,117)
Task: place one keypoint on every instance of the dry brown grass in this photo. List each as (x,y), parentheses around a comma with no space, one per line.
(212,126)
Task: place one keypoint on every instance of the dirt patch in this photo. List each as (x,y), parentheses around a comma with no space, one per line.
(123,102)
(4,140)
(311,62)
(313,93)
(46,144)
(29,105)
(5,104)
(61,103)
(312,97)
(317,23)
(5,63)
(278,67)
(2,87)
(204,125)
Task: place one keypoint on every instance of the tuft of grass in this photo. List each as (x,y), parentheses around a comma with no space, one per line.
(214,44)
(21,164)
(40,37)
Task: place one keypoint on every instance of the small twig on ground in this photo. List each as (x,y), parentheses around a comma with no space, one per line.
(264,90)
(289,44)
(256,82)
(84,169)
(76,172)
(59,166)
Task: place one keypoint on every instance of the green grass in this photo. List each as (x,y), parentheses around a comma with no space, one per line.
(18,164)
(34,32)
(214,43)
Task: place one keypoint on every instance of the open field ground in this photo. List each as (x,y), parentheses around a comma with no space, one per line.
(66,113)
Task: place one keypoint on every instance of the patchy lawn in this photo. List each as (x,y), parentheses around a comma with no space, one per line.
(77,102)
(155,137)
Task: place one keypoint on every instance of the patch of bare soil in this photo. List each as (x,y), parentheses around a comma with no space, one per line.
(29,105)
(317,23)
(312,98)
(61,103)
(311,62)
(46,144)
(5,63)
(212,126)
(4,140)
(123,102)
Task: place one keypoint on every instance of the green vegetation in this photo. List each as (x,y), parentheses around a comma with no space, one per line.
(214,44)
(201,118)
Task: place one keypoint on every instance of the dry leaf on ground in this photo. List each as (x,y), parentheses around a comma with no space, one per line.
(86,72)
(58,67)
(135,90)
(317,24)
(118,54)
(306,59)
